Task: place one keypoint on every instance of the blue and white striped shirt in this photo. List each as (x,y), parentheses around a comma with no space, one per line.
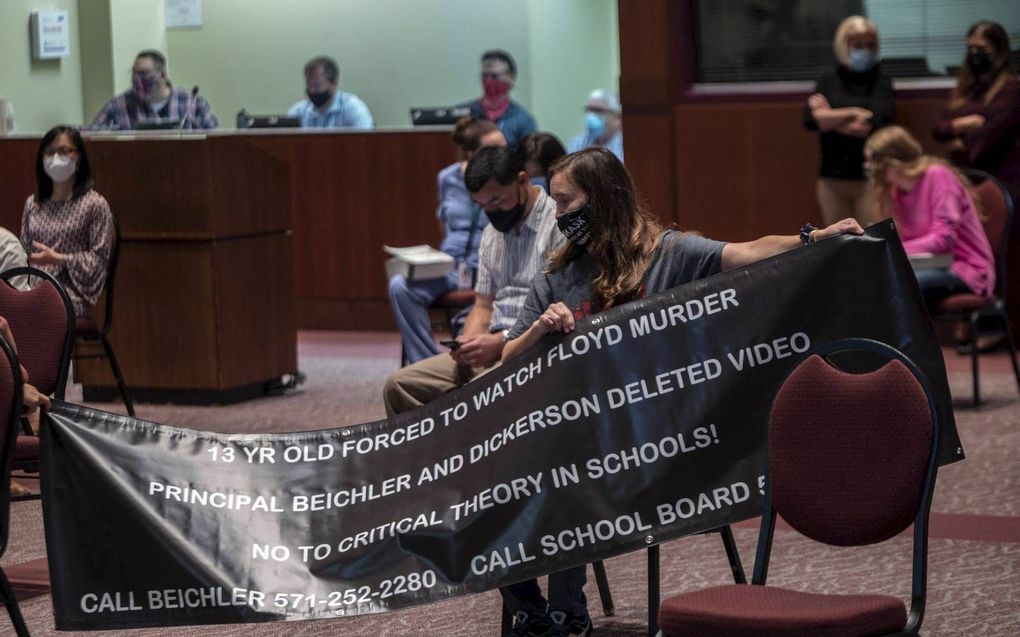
(587,140)
(346,111)
(508,261)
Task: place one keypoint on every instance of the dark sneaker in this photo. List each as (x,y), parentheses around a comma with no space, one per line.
(565,624)
(528,625)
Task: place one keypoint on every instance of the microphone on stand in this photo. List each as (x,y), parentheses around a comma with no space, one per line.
(188,109)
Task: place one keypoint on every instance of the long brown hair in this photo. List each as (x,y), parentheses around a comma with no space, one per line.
(623,233)
(997,75)
(894,147)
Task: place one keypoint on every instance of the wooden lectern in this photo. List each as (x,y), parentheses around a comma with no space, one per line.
(204,305)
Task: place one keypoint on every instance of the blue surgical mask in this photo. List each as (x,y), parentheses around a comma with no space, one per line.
(862,60)
(595,124)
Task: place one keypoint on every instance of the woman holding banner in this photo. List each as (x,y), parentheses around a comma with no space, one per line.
(615,253)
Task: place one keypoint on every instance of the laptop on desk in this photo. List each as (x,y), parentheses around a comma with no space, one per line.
(438,116)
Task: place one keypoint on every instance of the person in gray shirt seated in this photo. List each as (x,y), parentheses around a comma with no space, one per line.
(327,106)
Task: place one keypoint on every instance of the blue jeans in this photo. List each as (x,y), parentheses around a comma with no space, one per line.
(566,593)
(410,301)
(937,284)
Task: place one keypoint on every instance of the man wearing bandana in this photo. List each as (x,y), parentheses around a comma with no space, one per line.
(522,230)
(499,72)
(327,106)
(154,100)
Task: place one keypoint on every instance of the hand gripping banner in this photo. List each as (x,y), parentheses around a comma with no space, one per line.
(644,425)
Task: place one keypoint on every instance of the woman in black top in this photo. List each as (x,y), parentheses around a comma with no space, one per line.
(849,102)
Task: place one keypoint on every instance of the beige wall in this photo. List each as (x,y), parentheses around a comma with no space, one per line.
(394,54)
(43,93)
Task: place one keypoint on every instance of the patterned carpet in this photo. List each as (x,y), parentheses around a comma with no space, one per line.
(974,560)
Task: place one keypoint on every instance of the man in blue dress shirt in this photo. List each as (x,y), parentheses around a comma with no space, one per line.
(499,72)
(602,124)
(327,106)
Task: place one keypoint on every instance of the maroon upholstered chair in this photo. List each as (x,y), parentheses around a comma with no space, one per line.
(851,460)
(981,314)
(42,321)
(10,413)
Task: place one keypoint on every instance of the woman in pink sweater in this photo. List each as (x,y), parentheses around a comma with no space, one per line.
(934,212)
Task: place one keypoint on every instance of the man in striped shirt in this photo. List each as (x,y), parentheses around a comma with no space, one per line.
(154,102)
(521,232)
(327,106)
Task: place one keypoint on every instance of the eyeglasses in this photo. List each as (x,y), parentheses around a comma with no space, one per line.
(63,151)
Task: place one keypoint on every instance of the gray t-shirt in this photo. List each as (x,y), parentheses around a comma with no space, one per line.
(680,258)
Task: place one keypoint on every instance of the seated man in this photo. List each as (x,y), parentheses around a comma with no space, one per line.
(327,106)
(602,123)
(499,72)
(31,398)
(153,100)
(522,230)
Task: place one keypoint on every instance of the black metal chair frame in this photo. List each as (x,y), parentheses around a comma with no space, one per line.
(104,330)
(919,579)
(997,310)
(606,595)
(6,460)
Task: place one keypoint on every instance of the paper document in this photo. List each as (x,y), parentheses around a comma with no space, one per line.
(417,262)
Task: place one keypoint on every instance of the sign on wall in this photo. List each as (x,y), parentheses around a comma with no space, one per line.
(181,14)
(51,35)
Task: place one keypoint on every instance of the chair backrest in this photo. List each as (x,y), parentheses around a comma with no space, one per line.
(852,458)
(42,321)
(10,412)
(848,454)
(996,208)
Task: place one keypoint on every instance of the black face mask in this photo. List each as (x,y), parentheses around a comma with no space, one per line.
(575,226)
(506,220)
(979,62)
(318,99)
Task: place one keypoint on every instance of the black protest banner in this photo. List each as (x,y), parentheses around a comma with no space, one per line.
(644,425)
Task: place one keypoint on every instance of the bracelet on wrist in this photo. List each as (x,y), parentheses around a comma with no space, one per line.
(807,234)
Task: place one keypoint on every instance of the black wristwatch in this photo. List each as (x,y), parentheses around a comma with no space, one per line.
(805,233)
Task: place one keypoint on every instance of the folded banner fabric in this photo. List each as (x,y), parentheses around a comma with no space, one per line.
(645,424)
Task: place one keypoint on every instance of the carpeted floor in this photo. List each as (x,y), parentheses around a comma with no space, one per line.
(974,561)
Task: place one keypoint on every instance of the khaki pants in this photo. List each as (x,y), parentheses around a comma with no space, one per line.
(418,384)
(842,198)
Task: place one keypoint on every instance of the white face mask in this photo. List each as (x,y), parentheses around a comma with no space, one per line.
(60,168)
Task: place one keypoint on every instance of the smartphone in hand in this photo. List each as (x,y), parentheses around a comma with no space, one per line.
(451,343)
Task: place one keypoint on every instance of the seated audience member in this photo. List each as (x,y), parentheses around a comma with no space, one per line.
(934,213)
(982,123)
(615,253)
(31,398)
(327,106)
(603,124)
(12,253)
(463,222)
(849,102)
(521,231)
(541,150)
(153,100)
(499,72)
(67,227)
